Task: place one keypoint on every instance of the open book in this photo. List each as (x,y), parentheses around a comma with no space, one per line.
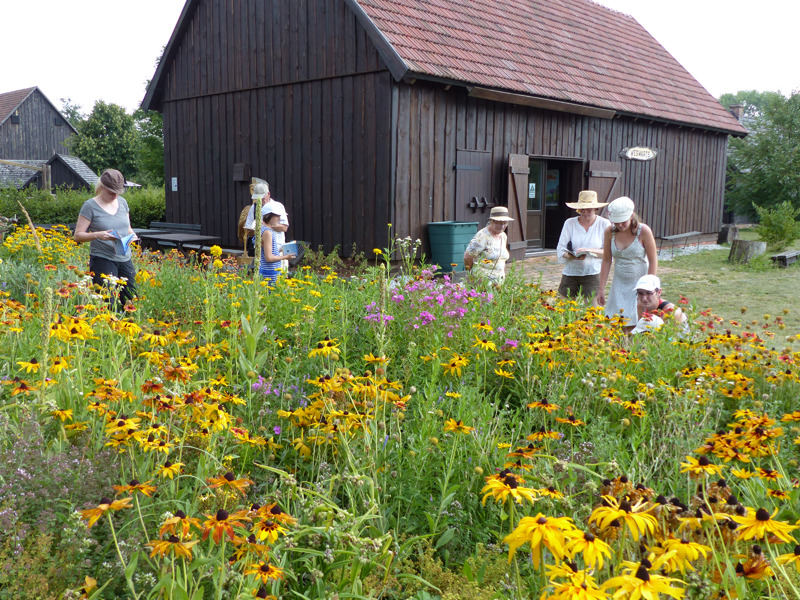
(579,254)
(123,242)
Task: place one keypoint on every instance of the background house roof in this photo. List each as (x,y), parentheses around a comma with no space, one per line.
(9,101)
(568,50)
(17,177)
(77,166)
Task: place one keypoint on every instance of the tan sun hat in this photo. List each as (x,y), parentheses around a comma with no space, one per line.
(587,199)
(499,213)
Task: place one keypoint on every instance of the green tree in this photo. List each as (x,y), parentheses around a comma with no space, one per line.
(107,139)
(72,112)
(150,151)
(753,102)
(764,167)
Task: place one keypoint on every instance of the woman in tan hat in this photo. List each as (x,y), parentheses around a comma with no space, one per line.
(487,251)
(580,248)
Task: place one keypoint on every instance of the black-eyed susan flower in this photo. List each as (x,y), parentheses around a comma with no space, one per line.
(791,557)
(63,415)
(371,359)
(230,481)
(264,571)
(635,517)
(269,530)
(700,467)
(455,364)
(644,585)
(89,586)
(742,473)
(453,426)
(757,523)
(575,591)
(544,405)
(571,420)
(135,486)
(507,486)
(91,515)
(179,522)
(59,364)
(550,492)
(275,512)
(768,474)
(756,565)
(484,344)
(325,347)
(172,545)
(540,532)
(504,374)
(685,551)
(592,548)
(29,366)
(169,469)
(778,494)
(222,523)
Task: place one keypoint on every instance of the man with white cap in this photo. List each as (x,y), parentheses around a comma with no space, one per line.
(649,302)
(261,190)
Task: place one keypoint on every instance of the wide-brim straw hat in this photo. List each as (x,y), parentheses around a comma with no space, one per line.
(587,199)
(499,213)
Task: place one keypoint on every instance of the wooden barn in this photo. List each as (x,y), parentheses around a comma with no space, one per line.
(362,113)
(31,127)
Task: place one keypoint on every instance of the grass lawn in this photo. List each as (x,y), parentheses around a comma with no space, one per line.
(743,293)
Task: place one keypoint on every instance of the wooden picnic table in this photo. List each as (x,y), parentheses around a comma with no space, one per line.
(178,239)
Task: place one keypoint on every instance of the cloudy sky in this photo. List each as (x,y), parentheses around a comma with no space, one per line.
(89,50)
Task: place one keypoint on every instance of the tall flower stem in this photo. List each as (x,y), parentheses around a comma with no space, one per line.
(121,560)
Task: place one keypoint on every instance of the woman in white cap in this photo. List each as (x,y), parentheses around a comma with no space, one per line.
(580,248)
(104,222)
(632,247)
(487,251)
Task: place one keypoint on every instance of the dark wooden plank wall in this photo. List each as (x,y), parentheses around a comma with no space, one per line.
(681,190)
(35,137)
(296,91)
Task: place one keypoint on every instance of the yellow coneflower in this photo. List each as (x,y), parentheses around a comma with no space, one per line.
(778,494)
(644,585)
(269,530)
(742,474)
(89,586)
(371,359)
(575,591)
(792,557)
(453,426)
(484,326)
(325,348)
(135,486)
(452,394)
(635,517)
(64,415)
(700,467)
(757,523)
(756,565)
(504,374)
(550,492)
(542,434)
(507,486)
(768,474)
(30,366)
(454,365)
(264,571)
(540,531)
(179,524)
(169,469)
(229,481)
(544,405)
(91,515)
(484,344)
(222,523)
(685,551)
(171,545)
(275,512)
(591,548)
(570,420)
(59,364)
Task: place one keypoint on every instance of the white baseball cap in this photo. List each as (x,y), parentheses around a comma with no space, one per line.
(648,283)
(620,210)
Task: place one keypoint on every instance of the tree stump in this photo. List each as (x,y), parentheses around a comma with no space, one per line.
(742,251)
(728,234)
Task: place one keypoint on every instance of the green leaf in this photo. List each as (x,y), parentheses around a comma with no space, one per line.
(131,568)
(445,537)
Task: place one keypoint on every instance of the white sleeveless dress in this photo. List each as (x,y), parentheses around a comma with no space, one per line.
(629,265)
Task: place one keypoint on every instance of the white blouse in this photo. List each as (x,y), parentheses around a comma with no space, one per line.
(581,238)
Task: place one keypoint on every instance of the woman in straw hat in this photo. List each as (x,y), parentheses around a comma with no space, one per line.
(580,248)
(632,247)
(487,253)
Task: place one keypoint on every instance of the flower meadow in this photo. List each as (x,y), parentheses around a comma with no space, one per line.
(394,435)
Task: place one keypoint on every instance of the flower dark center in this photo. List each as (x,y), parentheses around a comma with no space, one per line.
(756,549)
(173,539)
(541,520)
(276,510)
(133,483)
(105,500)
(641,573)
(264,568)
(229,476)
(222,515)
(762,514)
(703,462)
(180,514)
(589,537)
(510,481)
(625,505)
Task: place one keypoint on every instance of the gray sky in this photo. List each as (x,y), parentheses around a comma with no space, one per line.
(90,50)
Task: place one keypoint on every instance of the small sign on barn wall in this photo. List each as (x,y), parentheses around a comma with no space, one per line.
(639,153)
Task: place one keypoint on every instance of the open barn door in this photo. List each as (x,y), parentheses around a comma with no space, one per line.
(604,178)
(517,202)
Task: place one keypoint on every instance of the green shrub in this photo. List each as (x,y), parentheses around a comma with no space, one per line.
(778,226)
(146,204)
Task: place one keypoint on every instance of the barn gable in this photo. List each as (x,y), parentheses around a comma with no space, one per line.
(31,126)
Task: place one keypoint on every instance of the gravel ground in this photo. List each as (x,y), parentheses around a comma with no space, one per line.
(668,254)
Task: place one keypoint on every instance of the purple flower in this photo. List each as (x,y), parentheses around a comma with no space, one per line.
(277,429)
(512,343)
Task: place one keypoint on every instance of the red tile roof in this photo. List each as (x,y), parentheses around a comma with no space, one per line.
(11,100)
(568,50)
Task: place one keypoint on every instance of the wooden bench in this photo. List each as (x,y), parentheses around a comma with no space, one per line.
(675,239)
(176,227)
(784,259)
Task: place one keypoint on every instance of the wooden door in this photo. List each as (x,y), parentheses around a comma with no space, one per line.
(473,186)
(517,203)
(535,197)
(604,178)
